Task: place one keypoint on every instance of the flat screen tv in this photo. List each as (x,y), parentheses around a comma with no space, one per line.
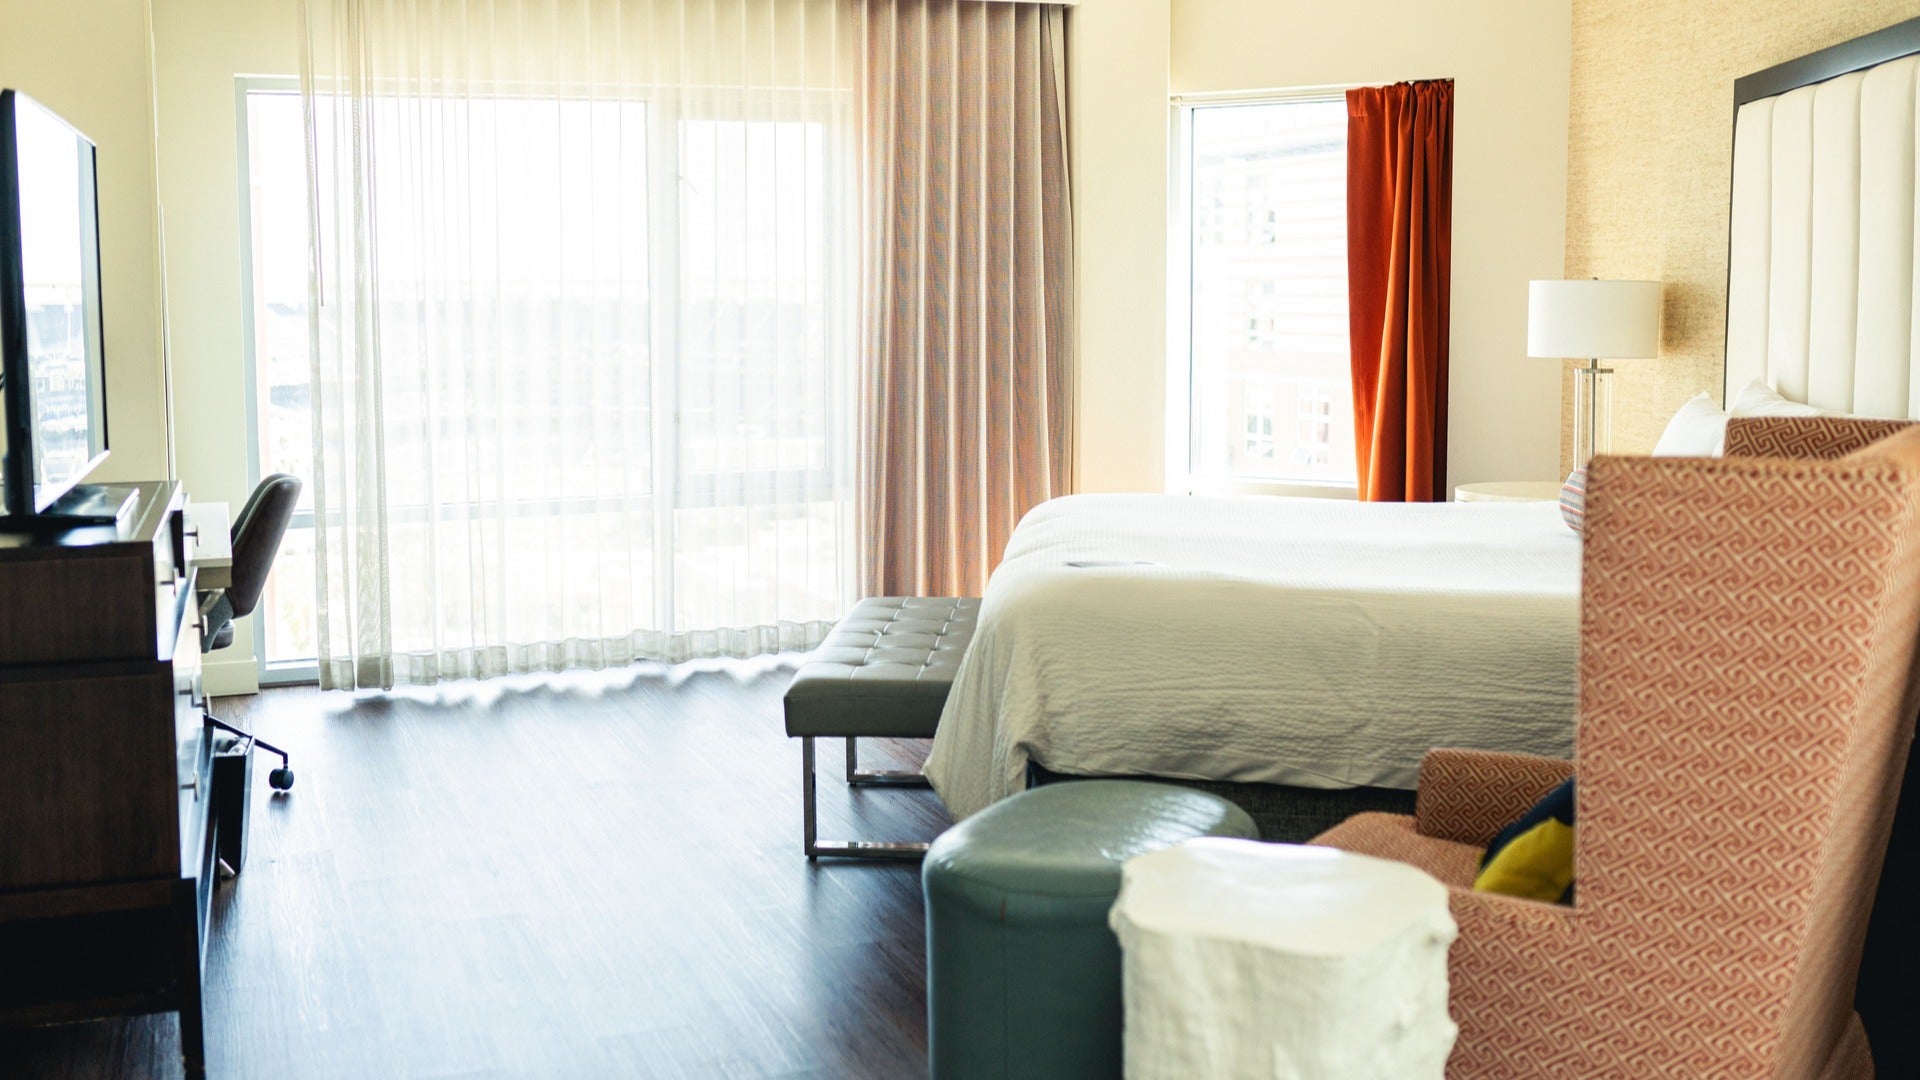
(52,366)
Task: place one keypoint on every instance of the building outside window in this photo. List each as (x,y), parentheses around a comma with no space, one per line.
(1258,411)
(1315,444)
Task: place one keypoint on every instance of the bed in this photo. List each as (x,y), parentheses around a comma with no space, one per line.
(1309,643)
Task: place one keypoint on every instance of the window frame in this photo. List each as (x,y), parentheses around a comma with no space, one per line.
(1180,477)
(283,672)
(696,491)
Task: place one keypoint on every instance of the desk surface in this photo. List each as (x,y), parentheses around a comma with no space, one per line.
(213,544)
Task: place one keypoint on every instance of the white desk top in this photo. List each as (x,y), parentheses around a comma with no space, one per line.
(213,544)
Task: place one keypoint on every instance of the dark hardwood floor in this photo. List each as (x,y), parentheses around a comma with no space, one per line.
(582,876)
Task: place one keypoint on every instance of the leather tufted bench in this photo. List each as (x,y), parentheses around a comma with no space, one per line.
(884,672)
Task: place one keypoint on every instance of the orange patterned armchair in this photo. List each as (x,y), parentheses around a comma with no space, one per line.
(1747,696)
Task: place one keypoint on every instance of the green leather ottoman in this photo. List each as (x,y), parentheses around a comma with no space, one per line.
(1023,972)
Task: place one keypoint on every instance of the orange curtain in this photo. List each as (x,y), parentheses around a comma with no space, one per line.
(1399,253)
(966,402)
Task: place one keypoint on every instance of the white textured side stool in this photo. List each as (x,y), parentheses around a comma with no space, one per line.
(1244,959)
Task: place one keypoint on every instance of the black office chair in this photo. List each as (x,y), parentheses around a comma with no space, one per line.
(256,536)
(256,540)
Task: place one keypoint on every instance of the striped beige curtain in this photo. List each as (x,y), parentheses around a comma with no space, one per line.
(966,281)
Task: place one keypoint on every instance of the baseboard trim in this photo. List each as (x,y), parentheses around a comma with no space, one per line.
(230,677)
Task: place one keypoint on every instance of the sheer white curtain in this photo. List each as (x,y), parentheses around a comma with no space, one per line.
(584,288)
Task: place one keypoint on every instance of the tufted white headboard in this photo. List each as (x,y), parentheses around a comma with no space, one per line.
(1821,287)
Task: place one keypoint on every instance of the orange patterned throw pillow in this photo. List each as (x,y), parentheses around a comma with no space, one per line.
(1573,499)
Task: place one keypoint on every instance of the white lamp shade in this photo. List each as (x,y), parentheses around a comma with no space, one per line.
(1613,320)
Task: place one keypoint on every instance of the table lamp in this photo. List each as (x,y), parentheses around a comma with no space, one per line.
(1593,320)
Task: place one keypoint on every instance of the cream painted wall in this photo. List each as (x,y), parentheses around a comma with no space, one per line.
(90,61)
(1651,159)
(1510,63)
(1117,53)
(199,48)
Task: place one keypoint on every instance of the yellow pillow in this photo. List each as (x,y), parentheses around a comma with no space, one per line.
(1533,857)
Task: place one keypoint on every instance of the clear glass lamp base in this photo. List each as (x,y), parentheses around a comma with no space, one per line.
(1592,412)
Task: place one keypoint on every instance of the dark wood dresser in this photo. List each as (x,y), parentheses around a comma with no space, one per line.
(107,845)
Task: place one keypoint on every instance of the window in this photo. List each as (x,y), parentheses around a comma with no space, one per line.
(744,302)
(279,369)
(1266,295)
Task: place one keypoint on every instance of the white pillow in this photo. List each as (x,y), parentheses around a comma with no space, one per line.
(1699,429)
(1758,399)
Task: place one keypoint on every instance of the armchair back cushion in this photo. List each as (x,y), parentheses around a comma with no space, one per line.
(1806,438)
(1468,796)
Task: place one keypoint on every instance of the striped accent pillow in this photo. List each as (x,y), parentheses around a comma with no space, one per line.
(1573,499)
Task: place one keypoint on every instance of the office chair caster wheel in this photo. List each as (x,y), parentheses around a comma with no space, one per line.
(281,779)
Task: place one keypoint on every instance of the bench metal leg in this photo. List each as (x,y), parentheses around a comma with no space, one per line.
(844,849)
(879,777)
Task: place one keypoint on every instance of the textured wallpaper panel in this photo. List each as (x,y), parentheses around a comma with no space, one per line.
(1648,164)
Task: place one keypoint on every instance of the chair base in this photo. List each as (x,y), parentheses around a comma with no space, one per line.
(868,849)
(816,848)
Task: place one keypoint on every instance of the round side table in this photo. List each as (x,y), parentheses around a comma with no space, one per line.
(1508,491)
(1245,959)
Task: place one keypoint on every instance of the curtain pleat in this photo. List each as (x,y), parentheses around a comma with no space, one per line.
(1399,259)
(583,330)
(968,401)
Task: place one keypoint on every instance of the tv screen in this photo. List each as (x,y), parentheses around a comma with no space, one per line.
(54,367)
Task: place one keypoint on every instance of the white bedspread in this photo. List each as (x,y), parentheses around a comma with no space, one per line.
(1294,641)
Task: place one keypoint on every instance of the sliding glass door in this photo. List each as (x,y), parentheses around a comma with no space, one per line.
(715,371)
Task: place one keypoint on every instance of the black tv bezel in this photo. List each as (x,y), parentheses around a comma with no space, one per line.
(25,498)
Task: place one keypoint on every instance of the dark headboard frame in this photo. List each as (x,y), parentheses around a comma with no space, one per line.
(1865,51)
(1900,39)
